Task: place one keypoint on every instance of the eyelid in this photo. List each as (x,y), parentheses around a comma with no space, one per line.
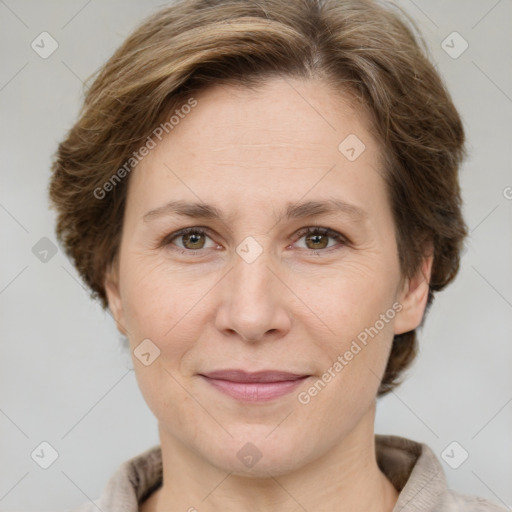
(176,234)
(322,231)
(312,229)
(342,240)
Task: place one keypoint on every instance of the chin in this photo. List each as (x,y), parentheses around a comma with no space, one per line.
(247,454)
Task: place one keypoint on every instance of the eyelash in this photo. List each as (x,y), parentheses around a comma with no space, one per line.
(316,230)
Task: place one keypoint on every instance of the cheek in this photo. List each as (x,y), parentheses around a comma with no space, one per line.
(168,399)
(352,367)
(350,299)
(357,313)
(157,308)
(158,300)
(170,309)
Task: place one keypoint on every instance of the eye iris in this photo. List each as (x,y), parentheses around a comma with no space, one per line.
(315,238)
(194,238)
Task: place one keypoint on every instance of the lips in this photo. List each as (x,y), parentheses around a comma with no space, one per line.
(259,386)
(261,376)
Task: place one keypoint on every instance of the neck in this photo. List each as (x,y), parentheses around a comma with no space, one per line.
(346,478)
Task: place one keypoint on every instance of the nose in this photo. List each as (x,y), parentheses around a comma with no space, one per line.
(254,302)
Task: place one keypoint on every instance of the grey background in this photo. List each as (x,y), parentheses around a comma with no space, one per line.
(65,377)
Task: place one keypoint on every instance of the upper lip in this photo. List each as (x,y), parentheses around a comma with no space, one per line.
(261,376)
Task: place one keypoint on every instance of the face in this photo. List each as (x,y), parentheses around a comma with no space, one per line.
(291,270)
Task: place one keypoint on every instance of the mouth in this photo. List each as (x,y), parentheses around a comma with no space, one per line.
(254,386)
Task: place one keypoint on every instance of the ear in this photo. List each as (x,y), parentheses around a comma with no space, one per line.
(115,303)
(413,297)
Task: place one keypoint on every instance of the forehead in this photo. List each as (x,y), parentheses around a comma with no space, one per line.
(281,111)
(281,139)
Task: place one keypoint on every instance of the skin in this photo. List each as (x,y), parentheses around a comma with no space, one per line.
(250,153)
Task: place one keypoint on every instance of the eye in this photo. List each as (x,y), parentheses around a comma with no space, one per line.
(316,238)
(191,239)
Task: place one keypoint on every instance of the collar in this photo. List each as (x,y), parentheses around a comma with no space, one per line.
(412,468)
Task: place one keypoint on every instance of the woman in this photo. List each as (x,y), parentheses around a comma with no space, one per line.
(265,196)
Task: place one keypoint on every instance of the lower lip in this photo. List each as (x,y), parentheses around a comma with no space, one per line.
(255,391)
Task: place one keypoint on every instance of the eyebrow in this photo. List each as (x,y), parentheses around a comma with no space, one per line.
(200,210)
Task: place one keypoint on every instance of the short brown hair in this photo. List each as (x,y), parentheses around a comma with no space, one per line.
(361,47)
